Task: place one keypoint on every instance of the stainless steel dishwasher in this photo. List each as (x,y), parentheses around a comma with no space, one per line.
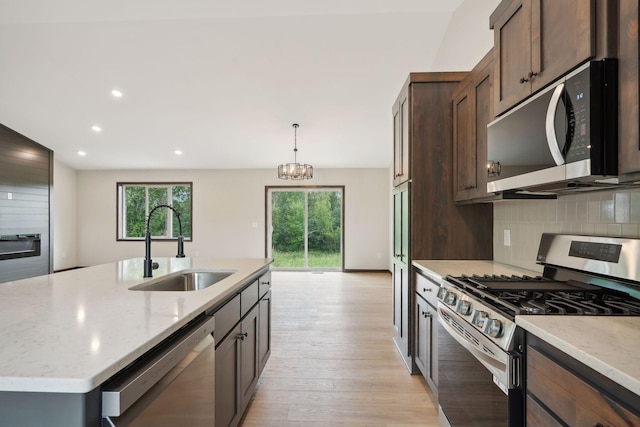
(172,385)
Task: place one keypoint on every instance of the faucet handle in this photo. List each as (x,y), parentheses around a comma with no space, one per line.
(155,265)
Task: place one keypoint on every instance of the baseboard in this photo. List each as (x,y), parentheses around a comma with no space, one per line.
(357,270)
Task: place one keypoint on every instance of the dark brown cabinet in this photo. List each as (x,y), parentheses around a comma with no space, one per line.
(537,41)
(426,335)
(401,270)
(248,356)
(264,336)
(228,408)
(558,395)
(472,112)
(427,222)
(243,346)
(401,171)
(629,95)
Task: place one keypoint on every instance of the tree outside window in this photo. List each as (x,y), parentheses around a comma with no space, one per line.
(136,200)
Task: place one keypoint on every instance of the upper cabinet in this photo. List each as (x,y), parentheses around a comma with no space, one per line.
(472,112)
(401,137)
(629,166)
(537,41)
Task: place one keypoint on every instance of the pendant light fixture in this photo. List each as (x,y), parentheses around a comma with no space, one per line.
(295,170)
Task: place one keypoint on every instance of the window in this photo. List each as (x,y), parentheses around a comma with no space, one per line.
(136,200)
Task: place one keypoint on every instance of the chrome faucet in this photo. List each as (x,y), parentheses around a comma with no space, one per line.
(148,263)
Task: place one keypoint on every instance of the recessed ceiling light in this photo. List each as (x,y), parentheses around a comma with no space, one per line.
(82,153)
(96,128)
(178,152)
(116,93)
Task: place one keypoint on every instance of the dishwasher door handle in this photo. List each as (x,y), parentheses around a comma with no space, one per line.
(118,395)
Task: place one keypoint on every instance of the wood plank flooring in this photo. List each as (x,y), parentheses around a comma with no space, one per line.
(333,361)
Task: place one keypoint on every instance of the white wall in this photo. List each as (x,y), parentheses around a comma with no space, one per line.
(64,217)
(468,37)
(225,204)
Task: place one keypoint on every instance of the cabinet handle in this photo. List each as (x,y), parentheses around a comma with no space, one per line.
(242,336)
(426,315)
(427,290)
(523,80)
(265,283)
(532,74)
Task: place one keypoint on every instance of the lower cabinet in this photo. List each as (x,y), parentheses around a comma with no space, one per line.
(242,353)
(561,391)
(425,339)
(227,372)
(425,343)
(264,333)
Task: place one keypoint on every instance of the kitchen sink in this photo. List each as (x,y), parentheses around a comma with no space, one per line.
(189,281)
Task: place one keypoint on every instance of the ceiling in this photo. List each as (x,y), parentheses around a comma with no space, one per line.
(221,81)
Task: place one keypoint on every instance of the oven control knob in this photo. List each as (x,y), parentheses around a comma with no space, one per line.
(479,318)
(494,329)
(451,298)
(464,308)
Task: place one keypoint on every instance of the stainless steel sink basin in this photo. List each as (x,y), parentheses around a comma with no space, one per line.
(190,281)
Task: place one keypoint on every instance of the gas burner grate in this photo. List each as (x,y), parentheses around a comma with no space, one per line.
(518,295)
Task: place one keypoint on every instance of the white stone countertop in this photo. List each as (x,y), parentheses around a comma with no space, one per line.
(607,344)
(69,332)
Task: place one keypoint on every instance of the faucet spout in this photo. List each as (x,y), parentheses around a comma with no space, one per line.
(148,262)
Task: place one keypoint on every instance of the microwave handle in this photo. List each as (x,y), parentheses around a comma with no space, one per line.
(552,139)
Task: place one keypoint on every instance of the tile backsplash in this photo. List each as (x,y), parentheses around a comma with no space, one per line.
(607,213)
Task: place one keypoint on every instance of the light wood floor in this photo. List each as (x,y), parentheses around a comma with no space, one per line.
(333,362)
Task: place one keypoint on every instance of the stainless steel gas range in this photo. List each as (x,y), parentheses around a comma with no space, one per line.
(481,353)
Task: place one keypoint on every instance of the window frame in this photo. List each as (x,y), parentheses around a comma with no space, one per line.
(120,210)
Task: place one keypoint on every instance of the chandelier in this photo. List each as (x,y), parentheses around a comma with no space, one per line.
(295,170)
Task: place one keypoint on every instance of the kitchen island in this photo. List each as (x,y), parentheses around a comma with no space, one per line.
(67,333)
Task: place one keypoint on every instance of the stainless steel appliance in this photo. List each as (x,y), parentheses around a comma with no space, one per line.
(562,138)
(173,385)
(481,354)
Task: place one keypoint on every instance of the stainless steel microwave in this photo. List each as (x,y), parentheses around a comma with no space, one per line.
(565,136)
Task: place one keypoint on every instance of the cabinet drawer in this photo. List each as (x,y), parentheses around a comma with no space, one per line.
(226,318)
(264,284)
(537,416)
(248,298)
(427,289)
(570,398)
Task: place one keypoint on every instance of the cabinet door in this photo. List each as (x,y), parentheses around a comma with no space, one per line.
(227,394)
(401,302)
(472,112)
(629,92)
(483,109)
(401,311)
(264,338)
(421,339)
(426,342)
(512,44)
(464,144)
(401,139)
(562,36)
(248,356)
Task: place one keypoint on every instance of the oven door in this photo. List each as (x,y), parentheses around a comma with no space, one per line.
(476,389)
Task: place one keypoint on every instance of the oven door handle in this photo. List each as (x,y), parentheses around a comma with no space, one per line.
(499,368)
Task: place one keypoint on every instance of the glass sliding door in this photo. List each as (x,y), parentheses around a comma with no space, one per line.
(304,227)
